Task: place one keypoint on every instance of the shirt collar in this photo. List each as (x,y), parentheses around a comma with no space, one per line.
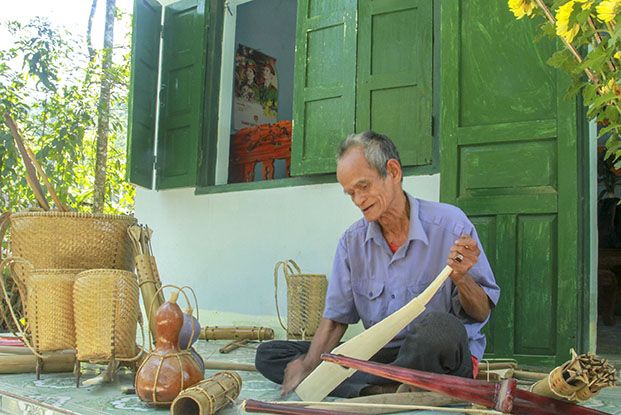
(416,230)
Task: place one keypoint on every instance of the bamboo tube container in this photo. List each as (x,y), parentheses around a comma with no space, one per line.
(148,275)
(208,396)
(236,333)
(27,363)
(211,365)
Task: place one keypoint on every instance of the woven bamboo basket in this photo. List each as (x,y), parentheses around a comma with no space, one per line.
(306,296)
(49,308)
(47,298)
(71,240)
(106,308)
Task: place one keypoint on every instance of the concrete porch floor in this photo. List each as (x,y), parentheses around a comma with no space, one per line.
(56,394)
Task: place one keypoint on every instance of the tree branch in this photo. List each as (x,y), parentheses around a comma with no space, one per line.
(89,44)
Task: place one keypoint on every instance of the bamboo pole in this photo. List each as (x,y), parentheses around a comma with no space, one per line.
(503,396)
(27,363)
(46,182)
(211,365)
(31,174)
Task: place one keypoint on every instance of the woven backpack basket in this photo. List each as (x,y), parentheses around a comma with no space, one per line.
(47,298)
(306,296)
(68,240)
(49,308)
(105,303)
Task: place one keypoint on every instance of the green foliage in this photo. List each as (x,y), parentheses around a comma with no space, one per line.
(51,89)
(593,29)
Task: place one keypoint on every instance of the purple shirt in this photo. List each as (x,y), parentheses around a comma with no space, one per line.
(368,282)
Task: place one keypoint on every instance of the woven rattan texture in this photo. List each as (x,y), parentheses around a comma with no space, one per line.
(210,394)
(49,308)
(70,240)
(306,295)
(106,314)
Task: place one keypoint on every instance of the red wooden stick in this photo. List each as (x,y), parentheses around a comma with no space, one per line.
(251,405)
(503,396)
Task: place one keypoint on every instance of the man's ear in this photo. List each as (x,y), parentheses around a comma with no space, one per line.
(394,169)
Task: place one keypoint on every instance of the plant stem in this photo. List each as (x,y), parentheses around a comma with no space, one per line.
(569,46)
(598,39)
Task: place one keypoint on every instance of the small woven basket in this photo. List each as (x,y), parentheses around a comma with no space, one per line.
(49,308)
(47,298)
(106,308)
(52,240)
(306,296)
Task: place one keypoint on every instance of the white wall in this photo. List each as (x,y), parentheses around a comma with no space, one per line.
(225,245)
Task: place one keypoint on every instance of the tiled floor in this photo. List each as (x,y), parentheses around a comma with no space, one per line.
(56,393)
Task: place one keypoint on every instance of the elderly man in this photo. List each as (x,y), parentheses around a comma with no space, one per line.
(383,261)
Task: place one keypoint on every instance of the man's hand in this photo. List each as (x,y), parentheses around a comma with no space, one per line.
(462,257)
(327,337)
(295,372)
(469,251)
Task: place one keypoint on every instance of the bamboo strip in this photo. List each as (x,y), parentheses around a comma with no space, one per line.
(31,174)
(526,375)
(358,407)
(46,182)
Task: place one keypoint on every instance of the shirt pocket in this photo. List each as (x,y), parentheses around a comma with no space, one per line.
(437,303)
(369,302)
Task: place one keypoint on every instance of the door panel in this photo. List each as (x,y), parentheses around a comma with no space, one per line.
(395,73)
(509,152)
(182,96)
(143,91)
(325,79)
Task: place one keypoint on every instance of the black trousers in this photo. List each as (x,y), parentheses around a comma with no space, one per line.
(437,343)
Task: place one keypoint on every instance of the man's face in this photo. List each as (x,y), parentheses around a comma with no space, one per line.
(369,192)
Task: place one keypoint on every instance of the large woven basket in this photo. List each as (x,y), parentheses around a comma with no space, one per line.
(306,296)
(105,303)
(69,240)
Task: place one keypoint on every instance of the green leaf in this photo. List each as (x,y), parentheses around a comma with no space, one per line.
(559,58)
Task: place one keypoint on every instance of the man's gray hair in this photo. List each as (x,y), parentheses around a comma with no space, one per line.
(378,149)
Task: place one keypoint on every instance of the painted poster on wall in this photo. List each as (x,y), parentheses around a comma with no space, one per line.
(255,89)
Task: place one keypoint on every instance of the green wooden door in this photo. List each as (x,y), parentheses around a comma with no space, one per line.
(325,83)
(509,160)
(394,74)
(182,94)
(143,91)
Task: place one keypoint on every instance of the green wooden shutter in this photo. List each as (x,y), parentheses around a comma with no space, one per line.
(325,79)
(182,94)
(395,73)
(143,91)
(509,160)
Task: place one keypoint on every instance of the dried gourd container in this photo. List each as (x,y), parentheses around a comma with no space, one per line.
(306,296)
(52,240)
(106,308)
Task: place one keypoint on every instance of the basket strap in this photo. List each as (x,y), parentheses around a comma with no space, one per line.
(4,264)
(4,224)
(278,264)
(287,270)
